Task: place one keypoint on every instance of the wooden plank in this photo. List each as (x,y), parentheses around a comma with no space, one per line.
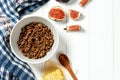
(101,40)
(78,42)
(116,39)
(58,24)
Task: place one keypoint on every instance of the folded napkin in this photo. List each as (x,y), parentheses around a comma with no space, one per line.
(11,68)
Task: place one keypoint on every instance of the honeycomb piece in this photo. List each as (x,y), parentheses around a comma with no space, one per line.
(54,75)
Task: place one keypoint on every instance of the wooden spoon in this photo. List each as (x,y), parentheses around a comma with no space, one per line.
(63,59)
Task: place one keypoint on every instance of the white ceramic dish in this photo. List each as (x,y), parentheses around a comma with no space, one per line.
(15,36)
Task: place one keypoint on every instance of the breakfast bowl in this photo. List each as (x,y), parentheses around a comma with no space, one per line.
(15,35)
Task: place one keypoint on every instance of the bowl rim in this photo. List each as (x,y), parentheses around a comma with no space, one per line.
(36,60)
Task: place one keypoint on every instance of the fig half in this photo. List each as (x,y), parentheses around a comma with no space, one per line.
(57,13)
(74,15)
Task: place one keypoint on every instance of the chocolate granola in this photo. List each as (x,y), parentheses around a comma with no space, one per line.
(35,40)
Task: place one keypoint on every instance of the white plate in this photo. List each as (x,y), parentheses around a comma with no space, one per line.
(16,33)
(38,69)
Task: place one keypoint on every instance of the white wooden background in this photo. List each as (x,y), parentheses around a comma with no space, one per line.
(95,51)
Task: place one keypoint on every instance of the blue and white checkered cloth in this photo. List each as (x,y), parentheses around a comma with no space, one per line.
(11,68)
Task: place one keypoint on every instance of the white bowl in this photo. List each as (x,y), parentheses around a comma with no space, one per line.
(16,33)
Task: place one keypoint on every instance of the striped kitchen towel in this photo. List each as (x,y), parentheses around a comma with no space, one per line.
(11,68)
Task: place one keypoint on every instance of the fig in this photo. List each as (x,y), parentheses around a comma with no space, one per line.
(57,13)
(83,2)
(73,28)
(63,1)
(74,15)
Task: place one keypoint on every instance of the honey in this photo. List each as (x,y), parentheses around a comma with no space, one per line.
(52,72)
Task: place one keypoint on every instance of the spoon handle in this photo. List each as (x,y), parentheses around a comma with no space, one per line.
(72,73)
